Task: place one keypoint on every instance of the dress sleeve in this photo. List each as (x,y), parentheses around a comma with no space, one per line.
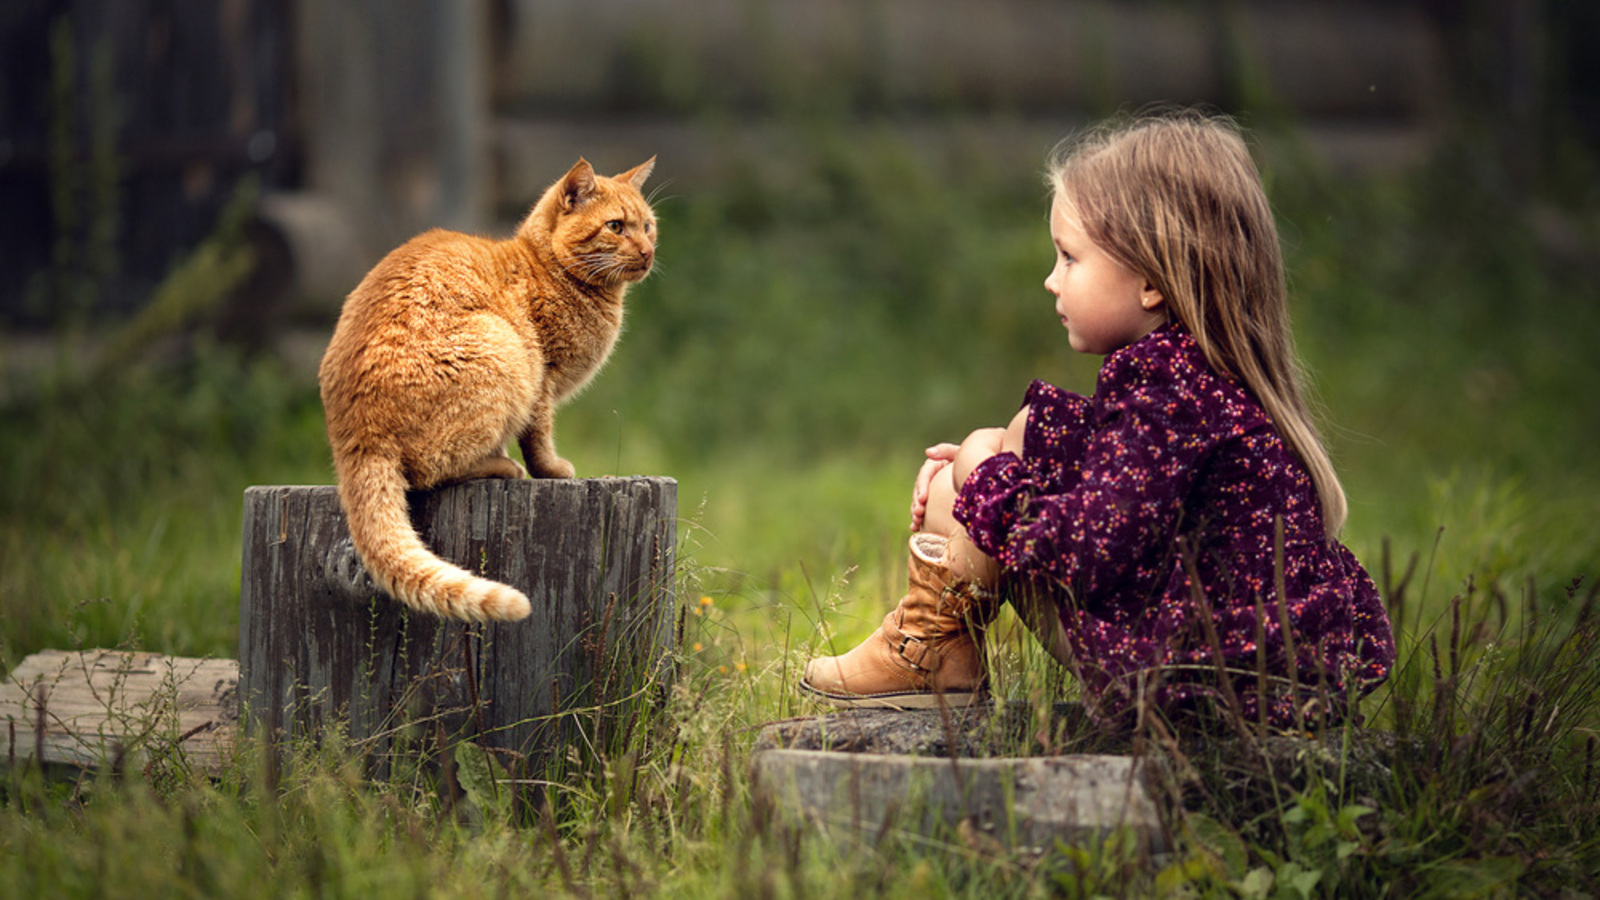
(991,502)
(1139,460)
(1058,425)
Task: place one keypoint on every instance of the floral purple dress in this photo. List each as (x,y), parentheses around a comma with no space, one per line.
(1153,506)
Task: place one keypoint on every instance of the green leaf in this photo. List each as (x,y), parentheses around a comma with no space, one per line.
(1220,840)
(1256,884)
(1349,815)
(480,774)
(1199,868)
(1303,881)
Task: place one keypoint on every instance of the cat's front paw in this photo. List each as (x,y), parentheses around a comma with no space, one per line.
(555,468)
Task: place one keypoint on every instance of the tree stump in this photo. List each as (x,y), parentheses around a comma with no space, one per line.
(1026,804)
(320,647)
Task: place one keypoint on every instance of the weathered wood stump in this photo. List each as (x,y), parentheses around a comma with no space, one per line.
(320,647)
(1021,804)
(978,776)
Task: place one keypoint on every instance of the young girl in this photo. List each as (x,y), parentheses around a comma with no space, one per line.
(1172,538)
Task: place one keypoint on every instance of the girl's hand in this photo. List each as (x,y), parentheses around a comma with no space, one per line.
(939,456)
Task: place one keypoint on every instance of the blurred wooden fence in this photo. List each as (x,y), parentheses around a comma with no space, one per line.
(125,125)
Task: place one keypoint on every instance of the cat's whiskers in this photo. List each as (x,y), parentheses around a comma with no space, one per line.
(656,191)
(599,267)
(588,266)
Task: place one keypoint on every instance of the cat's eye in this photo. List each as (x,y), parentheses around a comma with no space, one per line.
(615,225)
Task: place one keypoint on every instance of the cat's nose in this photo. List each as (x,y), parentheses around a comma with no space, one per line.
(648,254)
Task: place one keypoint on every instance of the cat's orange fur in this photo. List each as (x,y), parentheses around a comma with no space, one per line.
(454,345)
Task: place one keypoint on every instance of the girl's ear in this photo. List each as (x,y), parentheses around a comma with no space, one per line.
(1150,298)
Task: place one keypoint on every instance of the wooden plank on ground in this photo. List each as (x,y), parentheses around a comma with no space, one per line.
(99,707)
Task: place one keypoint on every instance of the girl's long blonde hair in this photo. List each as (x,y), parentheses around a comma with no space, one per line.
(1176,198)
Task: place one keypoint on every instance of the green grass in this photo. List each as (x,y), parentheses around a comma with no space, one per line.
(802,342)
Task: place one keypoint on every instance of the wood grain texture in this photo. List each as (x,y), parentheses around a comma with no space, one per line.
(119,708)
(319,647)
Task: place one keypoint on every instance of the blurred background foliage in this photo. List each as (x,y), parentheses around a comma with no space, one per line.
(851,269)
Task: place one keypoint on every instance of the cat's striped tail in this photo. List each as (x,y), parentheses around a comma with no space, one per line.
(372,491)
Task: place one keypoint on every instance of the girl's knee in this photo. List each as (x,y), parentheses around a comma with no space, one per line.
(985,441)
(979,446)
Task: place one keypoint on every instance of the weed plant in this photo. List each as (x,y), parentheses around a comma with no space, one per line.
(805,338)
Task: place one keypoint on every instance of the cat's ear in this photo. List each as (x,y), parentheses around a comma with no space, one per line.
(636,175)
(577,186)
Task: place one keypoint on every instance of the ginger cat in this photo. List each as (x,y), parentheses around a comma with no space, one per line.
(453,345)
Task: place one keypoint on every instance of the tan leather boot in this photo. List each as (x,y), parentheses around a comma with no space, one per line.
(928,652)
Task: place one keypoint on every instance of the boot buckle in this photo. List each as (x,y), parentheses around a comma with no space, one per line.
(923,650)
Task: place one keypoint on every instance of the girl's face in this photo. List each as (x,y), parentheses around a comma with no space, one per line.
(1103,305)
